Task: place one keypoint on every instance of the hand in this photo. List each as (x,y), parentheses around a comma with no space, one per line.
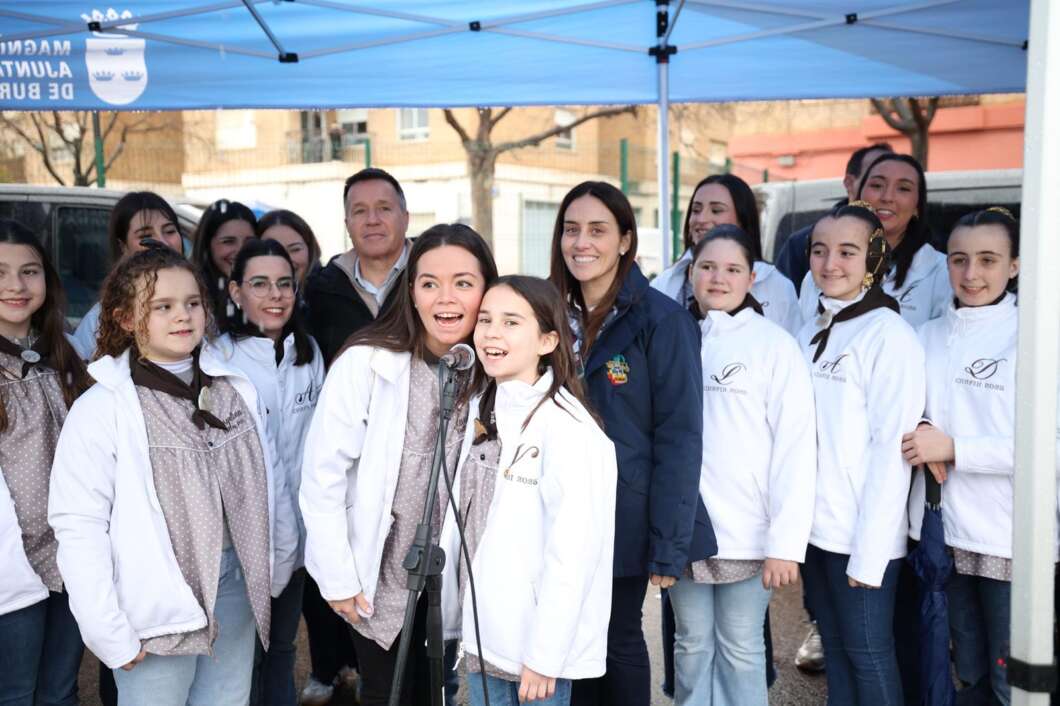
(351,609)
(779,572)
(928,443)
(854,583)
(128,666)
(663,581)
(534,686)
(938,470)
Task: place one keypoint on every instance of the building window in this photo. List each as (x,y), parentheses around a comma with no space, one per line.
(353,125)
(565,140)
(413,124)
(236,130)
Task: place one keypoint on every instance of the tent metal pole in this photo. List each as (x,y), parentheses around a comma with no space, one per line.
(1031,665)
(662,161)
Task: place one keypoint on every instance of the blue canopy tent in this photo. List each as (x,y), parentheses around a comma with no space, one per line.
(189,54)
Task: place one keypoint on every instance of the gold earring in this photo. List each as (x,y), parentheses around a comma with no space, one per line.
(867,280)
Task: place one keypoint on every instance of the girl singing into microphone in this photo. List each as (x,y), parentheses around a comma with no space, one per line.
(369,451)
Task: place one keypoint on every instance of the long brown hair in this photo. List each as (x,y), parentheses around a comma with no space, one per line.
(48,320)
(551,315)
(121,298)
(399,329)
(569,288)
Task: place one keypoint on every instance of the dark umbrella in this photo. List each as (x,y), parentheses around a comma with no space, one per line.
(933,565)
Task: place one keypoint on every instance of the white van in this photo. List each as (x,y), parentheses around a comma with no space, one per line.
(791,205)
(71,223)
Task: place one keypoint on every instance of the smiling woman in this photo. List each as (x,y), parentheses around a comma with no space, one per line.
(224,227)
(378,413)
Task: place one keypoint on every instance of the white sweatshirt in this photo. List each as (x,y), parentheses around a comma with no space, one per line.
(924,295)
(543,568)
(289,394)
(869,391)
(759,438)
(771,289)
(20,586)
(115,554)
(971,396)
(350,474)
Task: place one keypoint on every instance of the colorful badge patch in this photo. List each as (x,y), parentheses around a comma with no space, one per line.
(618,370)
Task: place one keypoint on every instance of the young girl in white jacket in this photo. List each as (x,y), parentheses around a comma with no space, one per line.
(967,440)
(267,341)
(867,368)
(757,479)
(40,377)
(722,199)
(538,497)
(161,497)
(369,450)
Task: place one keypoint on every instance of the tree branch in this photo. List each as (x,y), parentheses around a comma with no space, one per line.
(885,112)
(500,116)
(455,124)
(552,132)
(44,151)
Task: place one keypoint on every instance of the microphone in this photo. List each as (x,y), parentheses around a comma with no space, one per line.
(459,357)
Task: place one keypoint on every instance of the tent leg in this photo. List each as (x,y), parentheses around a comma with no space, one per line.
(663,161)
(1035,531)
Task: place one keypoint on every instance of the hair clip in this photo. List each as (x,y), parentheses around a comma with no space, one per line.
(1002,210)
(863,204)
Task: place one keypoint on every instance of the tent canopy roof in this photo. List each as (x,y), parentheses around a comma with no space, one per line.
(188,54)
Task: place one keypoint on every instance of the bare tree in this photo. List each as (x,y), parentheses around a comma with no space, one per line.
(482,154)
(49,133)
(912,117)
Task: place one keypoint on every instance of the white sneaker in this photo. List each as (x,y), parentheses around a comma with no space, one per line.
(316,693)
(810,657)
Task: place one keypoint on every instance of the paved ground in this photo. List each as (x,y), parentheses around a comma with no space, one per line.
(792,688)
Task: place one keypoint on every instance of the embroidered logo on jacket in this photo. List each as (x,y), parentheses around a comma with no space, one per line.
(521,452)
(307,398)
(832,369)
(618,370)
(728,373)
(980,371)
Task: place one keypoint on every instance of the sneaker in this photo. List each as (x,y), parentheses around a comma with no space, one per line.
(810,657)
(316,693)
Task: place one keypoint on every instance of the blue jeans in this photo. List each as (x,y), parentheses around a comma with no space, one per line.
(273,683)
(202,680)
(979,628)
(40,654)
(719,649)
(857,631)
(506,693)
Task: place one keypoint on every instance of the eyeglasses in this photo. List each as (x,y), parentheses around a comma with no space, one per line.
(261,287)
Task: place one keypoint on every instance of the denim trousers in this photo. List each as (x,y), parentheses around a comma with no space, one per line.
(273,682)
(979,610)
(40,654)
(857,631)
(506,693)
(221,679)
(719,649)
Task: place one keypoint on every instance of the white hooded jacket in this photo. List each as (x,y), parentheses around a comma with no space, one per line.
(20,586)
(543,568)
(115,554)
(923,296)
(971,396)
(759,438)
(771,289)
(869,391)
(288,394)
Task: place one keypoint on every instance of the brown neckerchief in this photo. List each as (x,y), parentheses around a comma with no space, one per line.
(37,354)
(748,302)
(875,298)
(153,377)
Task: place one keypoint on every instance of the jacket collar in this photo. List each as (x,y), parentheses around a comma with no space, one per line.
(515,400)
(719,323)
(112,373)
(969,318)
(924,260)
(389,365)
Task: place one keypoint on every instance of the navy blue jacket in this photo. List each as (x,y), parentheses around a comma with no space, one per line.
(645,379)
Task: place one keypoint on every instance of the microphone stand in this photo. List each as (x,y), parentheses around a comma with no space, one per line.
(425,561)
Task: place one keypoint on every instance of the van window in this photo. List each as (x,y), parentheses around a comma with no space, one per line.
(792,222)
(31,214)
(81,254)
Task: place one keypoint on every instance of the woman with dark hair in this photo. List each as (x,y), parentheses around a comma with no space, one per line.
(967,442)
(224,227)
(727,199)
(639,352)
(896,188)
(267,341)
(868,380)
(294,234)
(137,219)
(369,451)
(40,377)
